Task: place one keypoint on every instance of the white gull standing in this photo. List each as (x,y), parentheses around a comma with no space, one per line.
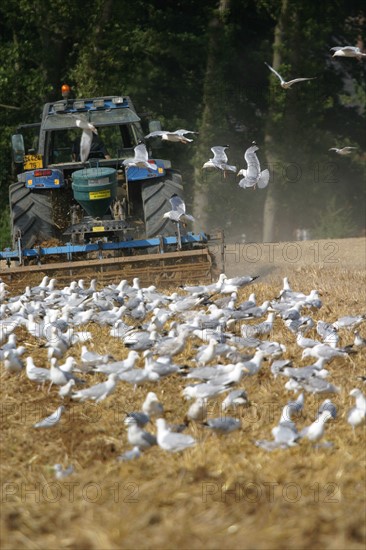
(172,441)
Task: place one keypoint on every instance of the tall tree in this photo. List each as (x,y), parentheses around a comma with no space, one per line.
(270,205)
(213,124)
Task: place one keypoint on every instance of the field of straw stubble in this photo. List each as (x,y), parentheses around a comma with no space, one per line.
(223,493)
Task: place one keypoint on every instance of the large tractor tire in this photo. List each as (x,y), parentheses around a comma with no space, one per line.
(30,215)
(155,200)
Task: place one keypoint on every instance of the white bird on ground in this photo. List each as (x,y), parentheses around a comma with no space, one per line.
(289,83)
(253,177)
(98,392)
(51,420)
(304,342)
(348,51)
(206,353)
(12,362)
(141,159)
(172,441)
(36,374)
(323,350)
(67,389)
(357,415)
(219,160)
(198,410)
(178,212)
(234,399)
(343,150)
(233,284)
(69,365)
(206,390)
(137,436)
(206,289)
(316,430)
(152,406)
(61,473)
(91,359)
(172,345)
(60,377)
(359,341)
(119,366)
(285,433)
(360,399)
(327,405)
(223,424)
(132,454)
(251,331)
(178,135)
(349,321)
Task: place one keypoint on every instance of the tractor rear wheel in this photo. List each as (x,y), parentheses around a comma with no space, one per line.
(155,200)
(30,215)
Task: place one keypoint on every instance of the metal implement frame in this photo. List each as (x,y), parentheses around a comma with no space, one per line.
(197,264)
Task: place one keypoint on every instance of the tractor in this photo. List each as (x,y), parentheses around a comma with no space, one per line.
(99,214)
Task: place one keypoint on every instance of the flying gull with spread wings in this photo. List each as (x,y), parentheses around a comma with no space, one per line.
(178,135)
(219,160)
(141,159)
(283,82)
(253,177)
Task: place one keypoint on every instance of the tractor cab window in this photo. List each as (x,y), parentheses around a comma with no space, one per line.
(60,145)
(120,140)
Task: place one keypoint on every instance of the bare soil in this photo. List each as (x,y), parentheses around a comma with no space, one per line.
(284,258)
(223,493)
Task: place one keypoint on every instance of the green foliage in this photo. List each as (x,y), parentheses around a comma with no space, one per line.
(5,235)
(197,65)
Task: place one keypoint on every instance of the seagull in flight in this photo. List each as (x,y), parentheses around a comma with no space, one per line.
(141,159)
(288,84)
(343,151)
(219,160)
(253,176)
(348,51)
(178,212)
(178,135)
(87,135)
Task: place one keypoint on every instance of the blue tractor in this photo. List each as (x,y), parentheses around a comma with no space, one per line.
(101,212)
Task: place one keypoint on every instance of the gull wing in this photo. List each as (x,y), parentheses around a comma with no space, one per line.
(263,180)
(141,153)
(81,121)
(275,72)
(350,49)
(219,154)
(85,144)
(182,132)
(251,158)
(156,134)
(290,82)
(177,203)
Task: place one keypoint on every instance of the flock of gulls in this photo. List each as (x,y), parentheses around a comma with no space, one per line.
(232,341)
(235,337)
(253,176)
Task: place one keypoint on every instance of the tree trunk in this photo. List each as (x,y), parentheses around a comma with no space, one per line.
(211,99)
(270,204)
